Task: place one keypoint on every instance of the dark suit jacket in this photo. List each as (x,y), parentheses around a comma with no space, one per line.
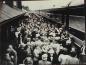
(55,59)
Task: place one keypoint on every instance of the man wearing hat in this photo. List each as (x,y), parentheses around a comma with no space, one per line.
(52,56)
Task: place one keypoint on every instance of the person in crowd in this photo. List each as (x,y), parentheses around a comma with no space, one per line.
(10,56)
(13,54)
(64,58)
(21,51)
(23,29)
(52,57)
(28,61)
(27,50)
(7,59)
(73,59)
(36,53)
(51,53)
(44,60)
(33,34)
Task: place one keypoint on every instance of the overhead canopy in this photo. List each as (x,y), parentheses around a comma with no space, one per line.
(7,12)
(49,4)
(73,10)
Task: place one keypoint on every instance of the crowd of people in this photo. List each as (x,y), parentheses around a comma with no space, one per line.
(40,42)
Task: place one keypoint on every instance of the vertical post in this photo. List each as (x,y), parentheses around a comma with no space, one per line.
(85,27)
(63,18)
(1,2)
(67,18)
(83,56)
(85,20)
(19,4)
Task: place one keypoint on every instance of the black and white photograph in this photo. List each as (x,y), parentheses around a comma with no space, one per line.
(42,32)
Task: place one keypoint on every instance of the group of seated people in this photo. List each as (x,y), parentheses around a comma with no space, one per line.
(39,42)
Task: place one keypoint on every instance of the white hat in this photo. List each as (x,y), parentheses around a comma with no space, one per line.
(57,38)
(44,55)
(51,51)
(37,35)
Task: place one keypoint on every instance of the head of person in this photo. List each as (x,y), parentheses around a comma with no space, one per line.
(60,29)
(28,61)
(9,49)
(10,46)
(44,57)
(28,39)
(73,49)
(51,51)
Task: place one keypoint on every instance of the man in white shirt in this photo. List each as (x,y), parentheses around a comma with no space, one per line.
(64,58)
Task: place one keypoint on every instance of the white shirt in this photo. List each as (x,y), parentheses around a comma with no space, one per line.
(64,59)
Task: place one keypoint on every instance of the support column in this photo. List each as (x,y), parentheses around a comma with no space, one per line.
(85,21)
(67,18)
(1,2)
(83,56)
(19,4)
(67,21)
(63,18)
